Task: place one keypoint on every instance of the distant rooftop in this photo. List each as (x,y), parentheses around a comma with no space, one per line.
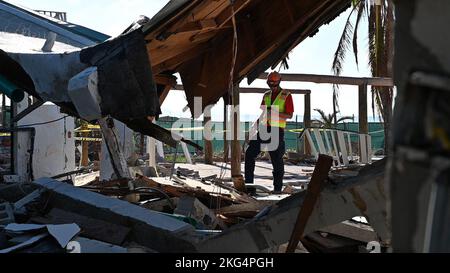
(59,15)
(58,20)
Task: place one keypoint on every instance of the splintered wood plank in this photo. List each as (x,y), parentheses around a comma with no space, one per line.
(174,61)
(244,210)
(174,44)
(315,187)
(180,188)
(164,94)
(214,8)
(204,36)
(157,56)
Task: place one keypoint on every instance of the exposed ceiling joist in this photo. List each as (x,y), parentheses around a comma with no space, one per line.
(202,54)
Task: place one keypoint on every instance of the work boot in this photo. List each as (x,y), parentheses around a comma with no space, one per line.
(278,182)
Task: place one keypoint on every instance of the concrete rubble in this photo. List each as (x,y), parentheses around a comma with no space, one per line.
(189,214)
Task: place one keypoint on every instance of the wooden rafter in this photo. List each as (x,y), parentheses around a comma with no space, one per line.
(280,40)
(164,94)
(253,90)
(327,79)
(174,61)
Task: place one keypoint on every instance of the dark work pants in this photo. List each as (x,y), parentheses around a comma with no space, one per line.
(276,156)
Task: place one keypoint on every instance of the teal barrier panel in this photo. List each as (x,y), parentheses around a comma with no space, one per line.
(291,138)
(11,90)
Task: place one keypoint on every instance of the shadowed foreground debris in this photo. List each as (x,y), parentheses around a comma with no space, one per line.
(192,215)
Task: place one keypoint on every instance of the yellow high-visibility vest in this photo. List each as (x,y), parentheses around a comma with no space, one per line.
(279,105)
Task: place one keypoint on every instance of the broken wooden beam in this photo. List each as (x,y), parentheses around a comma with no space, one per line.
(363,119)
(209,149)
(315,187)
(255,90)
(236,152)
(339,201)
(327,79)
(307,123)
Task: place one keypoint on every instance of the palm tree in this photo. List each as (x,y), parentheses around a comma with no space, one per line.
(380,17)
(330,121)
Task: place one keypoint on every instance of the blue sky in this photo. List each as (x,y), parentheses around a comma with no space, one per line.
(313,56)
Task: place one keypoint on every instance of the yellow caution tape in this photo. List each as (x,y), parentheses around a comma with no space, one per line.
(187,129)
(88,139)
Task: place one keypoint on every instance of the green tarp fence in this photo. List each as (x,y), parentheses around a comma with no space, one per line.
(192,128)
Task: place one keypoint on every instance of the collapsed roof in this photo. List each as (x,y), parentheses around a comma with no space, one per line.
(125,80)
(195,39)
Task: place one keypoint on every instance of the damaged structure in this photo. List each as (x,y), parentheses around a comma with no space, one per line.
(124,80)
(67,71)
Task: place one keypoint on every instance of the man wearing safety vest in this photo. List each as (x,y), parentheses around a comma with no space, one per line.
(279,107)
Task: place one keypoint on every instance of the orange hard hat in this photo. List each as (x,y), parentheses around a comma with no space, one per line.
(274,77)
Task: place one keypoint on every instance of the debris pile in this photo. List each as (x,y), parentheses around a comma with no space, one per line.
(184,213)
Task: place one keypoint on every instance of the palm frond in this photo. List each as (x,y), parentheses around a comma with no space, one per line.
(334,116)
(372,53)
(343,46)
(321,113)
(361,6)
(285,63)
(377,101)
(372,40)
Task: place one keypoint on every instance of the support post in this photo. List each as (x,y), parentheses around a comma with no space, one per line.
(315,187)
(235,143)
(84,147)
(307,122)
(363,120)
(20,151)
(116,154)
(151,149)
(208,137)
(225,129)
